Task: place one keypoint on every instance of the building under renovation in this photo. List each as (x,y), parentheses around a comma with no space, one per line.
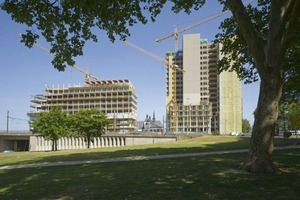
(116,98)
(198,98)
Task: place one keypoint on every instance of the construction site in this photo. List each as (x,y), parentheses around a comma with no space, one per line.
(116,98)
(198,98)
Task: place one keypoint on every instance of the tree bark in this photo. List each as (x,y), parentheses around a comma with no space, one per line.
(261,143)
(54,145)
(88,142)
(268,53)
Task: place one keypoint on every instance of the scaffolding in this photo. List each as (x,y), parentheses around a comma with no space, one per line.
(116,98)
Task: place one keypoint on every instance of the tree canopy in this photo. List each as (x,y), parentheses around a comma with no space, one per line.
(246,126)
(237,53)
(291,89)
(51,125)
(293,115)
(55,124)
(67,24)
(88,124)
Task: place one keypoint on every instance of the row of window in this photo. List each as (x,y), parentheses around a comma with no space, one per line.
(73,111)
(109,94)
(203,124)
(85,90)
(102,101)
(84,105)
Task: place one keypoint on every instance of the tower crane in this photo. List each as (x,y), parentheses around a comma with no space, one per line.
(88,76)
(175,69)
(176,31)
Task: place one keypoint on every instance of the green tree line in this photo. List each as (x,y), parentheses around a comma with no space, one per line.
(55,124)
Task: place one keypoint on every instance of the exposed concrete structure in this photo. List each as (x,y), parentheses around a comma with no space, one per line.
(116,98)
(206,101)
(14,141)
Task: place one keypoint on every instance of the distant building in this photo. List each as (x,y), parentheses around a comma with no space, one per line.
(200,99)
(116,98)
(150,125)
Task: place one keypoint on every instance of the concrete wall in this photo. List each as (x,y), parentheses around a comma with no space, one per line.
(191,66)
(28,142)
(140,140)
(38,143)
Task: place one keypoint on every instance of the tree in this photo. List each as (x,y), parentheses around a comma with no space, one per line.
(291,89)
(51,125)
(259,42)
(88,124)
(282,118)
(246,126)
(265,38)
(293,115)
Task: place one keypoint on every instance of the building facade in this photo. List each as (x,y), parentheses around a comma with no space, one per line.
(151,125)
(199,99)
(116,98)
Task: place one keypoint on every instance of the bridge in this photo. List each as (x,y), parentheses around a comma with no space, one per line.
(15,140)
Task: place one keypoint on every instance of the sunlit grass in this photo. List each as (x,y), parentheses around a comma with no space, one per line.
(198,144)
(205,177)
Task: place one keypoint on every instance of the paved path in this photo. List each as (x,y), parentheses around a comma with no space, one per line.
(134,158)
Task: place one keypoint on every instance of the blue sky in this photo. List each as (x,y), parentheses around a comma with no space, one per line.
(25,72)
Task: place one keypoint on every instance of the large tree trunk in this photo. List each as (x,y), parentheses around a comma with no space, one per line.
(268,51)
(261,143)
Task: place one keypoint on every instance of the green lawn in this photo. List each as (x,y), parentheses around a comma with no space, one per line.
(200,144)
(205,177)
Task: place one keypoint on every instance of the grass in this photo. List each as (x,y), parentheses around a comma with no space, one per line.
(206,177)
(200,144)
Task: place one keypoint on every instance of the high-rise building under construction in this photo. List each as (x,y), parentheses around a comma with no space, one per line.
(199,99)
(116,98)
